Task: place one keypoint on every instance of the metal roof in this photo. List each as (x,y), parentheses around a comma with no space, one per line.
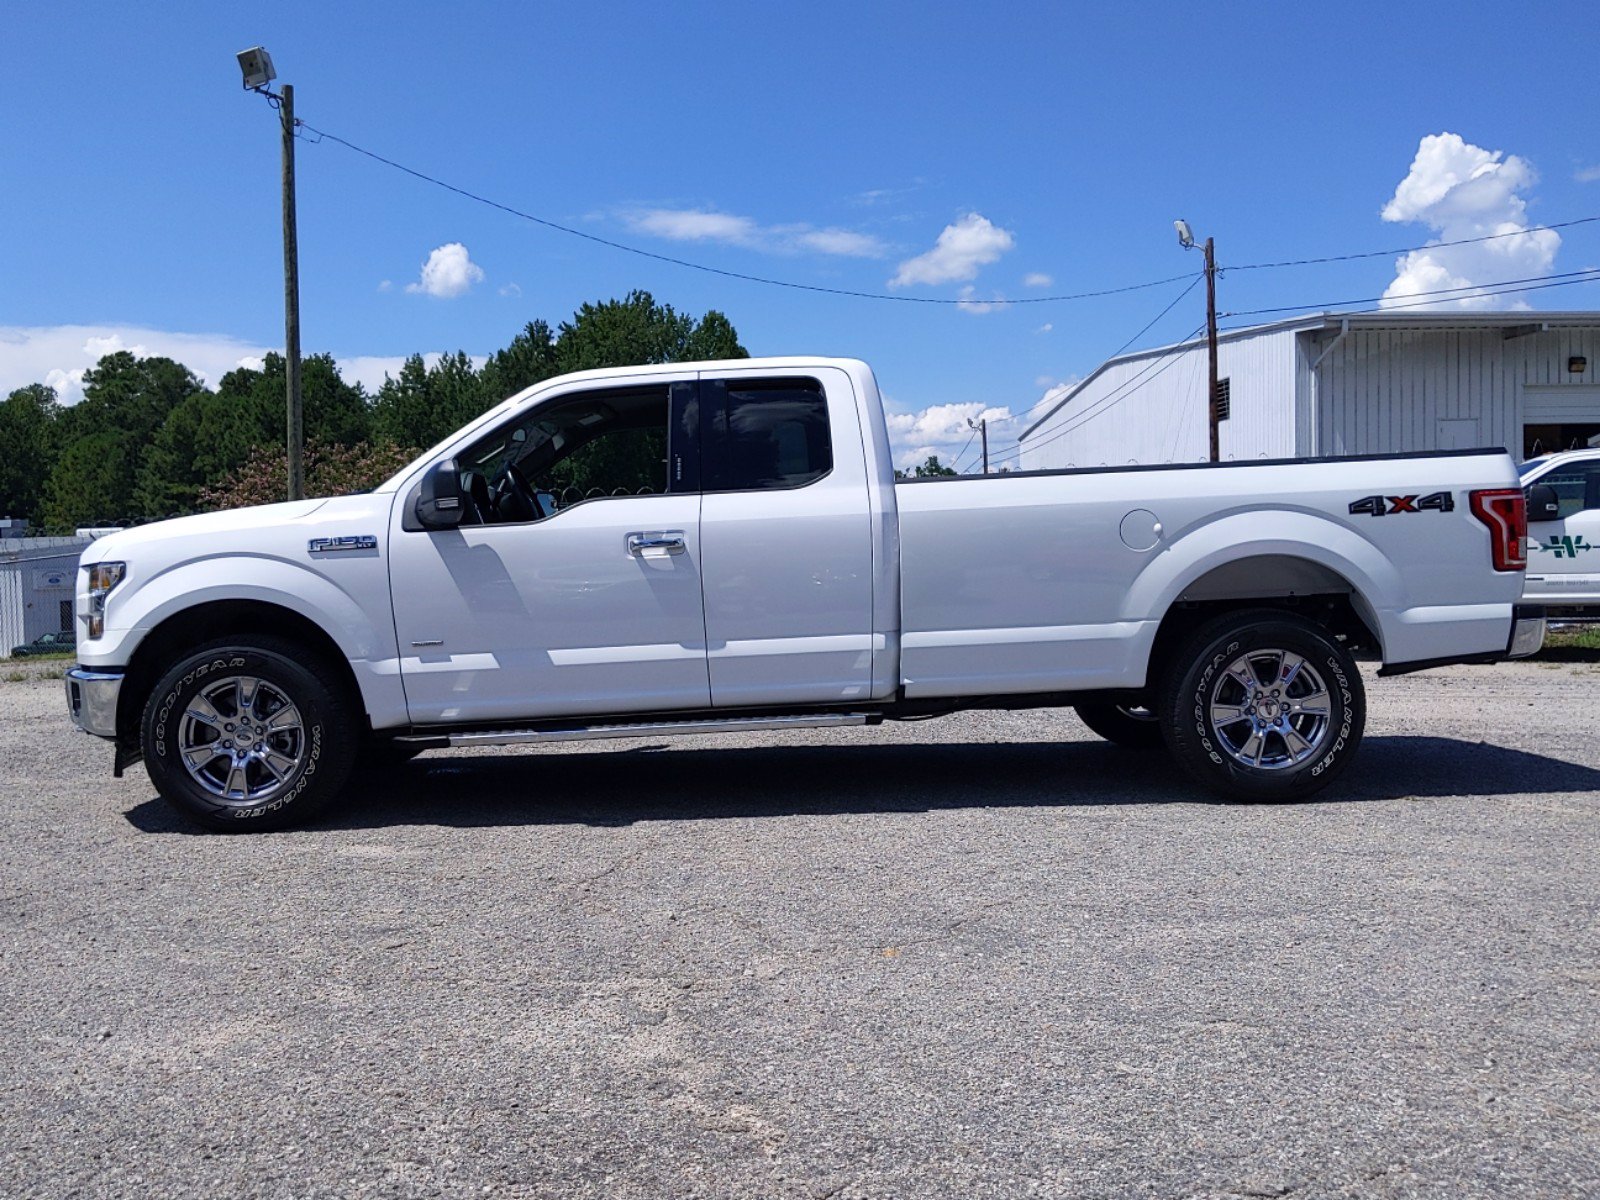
(1522,320)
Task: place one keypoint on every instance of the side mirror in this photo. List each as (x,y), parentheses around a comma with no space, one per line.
(1543,503)
(440,504)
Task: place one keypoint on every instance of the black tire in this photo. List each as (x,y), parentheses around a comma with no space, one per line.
(1126,725)
(292,742)
(1308,729)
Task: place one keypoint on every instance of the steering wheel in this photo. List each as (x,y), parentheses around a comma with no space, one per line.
(513,485)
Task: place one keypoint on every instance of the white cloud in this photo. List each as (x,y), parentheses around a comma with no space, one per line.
(704,225)
(1045,328)
(59,354)
(251,362)
(511,289)
(1036,279)
(1045,381)
(1587,174)
(940,429)
(1464,191)
(963,248)
(385,285)
(448,273)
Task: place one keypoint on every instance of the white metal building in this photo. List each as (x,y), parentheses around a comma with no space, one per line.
(37,580)
(1348,383)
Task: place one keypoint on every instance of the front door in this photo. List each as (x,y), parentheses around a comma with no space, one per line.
(573,586)
(1564,554)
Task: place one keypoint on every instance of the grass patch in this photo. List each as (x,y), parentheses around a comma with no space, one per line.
(1572,643)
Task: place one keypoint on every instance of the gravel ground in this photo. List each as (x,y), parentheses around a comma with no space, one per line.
(983,956)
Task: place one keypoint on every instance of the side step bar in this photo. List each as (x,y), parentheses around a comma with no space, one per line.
(583,733)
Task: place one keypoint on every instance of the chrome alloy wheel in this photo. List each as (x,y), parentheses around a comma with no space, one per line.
(1270,710)
(241,739)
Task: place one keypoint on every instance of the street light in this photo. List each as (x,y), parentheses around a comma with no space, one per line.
(1186,240)
(255,65)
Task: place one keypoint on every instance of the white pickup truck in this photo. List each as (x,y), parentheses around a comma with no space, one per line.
(723,546)
(1564,532)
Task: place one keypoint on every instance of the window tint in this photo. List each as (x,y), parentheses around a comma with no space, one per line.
(1577,486)
(585,447)
(771,434)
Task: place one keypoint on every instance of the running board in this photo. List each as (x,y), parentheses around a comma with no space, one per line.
(644,729)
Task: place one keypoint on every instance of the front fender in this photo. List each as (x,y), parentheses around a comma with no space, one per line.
(354,612)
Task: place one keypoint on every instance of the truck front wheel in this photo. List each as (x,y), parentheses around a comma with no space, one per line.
(1263,705)
(248,735)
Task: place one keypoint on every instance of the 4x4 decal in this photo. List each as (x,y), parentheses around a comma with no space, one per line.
(1379,506)
(1565,545)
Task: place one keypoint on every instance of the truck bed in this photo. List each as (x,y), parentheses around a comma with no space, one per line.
(1056,580)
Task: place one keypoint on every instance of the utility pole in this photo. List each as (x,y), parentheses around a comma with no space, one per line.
(982,426)
(255,64)
(291,313)
(1211,343)
(1214,399)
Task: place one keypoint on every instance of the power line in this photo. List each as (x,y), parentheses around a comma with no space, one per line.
(1192,284)
(769,281)
(1465,291)
(1488,237)
(1109,401)
(324,135)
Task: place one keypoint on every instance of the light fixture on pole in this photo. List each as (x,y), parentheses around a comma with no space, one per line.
(255,64)
(1186,240)
(981,425)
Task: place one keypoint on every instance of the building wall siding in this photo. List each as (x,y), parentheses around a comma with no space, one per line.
(1387,391)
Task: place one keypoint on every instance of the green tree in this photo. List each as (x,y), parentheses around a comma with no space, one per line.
(105,435)
(423,404)
(637,331)
(209,434)
(91,483)
(929,469)
(28,446)
(529,359)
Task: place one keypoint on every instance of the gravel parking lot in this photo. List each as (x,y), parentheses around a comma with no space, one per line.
(984,956)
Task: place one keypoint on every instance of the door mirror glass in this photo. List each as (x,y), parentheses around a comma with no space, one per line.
(439,504)
(1544,503)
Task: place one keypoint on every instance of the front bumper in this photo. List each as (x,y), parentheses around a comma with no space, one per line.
(1527,631)
(92,700)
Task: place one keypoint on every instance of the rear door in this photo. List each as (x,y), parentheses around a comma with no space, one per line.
(1564,554)
(786,539)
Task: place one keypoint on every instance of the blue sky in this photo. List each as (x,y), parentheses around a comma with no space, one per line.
(823,143)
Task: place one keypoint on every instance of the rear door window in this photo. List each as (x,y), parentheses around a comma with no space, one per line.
(764,435)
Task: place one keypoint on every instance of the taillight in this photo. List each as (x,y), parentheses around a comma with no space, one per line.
(1505,512)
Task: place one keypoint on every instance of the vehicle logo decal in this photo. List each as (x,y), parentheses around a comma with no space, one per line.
(1379,506)
(333,545)
(1565,545)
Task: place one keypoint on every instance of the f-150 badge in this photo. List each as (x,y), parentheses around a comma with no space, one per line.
(1382,506)
(360,541)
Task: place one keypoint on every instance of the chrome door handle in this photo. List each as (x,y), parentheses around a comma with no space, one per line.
(656,545)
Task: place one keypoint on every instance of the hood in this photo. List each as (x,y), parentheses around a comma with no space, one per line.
(231,525)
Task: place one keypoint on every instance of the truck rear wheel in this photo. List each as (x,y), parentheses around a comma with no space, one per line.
(248,735)
(1124,724)
(1263,705)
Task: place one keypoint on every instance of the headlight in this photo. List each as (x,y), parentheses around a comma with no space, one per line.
(102,578)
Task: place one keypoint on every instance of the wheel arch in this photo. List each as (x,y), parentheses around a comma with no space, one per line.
(169,640)
(1284,582)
